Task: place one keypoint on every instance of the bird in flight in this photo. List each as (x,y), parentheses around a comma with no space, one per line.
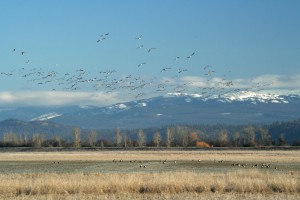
(165,69)
(210,72)
(100,40)
(141,64)
(103,35)
(149,50)
(191,55)
(206,67)
(139,37)
(181,70)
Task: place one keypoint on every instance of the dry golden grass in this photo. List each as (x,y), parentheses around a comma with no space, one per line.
(239,182)
(185,196)
(230,155)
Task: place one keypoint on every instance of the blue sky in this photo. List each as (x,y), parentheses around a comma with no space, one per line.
(245,43)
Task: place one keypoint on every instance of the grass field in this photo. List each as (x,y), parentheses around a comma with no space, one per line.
(164,174)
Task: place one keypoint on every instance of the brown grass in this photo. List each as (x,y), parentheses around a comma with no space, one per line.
(185,196)
(230,155)
(239,182)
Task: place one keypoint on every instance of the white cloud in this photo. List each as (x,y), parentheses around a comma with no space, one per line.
(277,81)
(195,81)
(277,84)
(263,81)
(57,98)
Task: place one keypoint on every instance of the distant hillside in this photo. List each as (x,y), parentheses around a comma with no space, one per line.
(23,128)
(174,108)
(186,109)
(209,133)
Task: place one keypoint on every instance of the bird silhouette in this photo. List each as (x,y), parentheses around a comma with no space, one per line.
(191,55)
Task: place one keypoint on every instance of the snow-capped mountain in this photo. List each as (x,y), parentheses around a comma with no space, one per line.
(46,116)
(241,107)
(238,97)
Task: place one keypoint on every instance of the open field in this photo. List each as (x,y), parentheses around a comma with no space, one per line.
(163,174)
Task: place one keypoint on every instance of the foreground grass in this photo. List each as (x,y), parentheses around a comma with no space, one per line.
(185,196)
(197,174)
(51,185)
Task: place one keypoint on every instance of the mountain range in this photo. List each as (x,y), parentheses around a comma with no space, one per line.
(244,107)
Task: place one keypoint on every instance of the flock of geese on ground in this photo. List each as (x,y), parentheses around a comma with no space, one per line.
(109,81)
(214,163)
(145,163)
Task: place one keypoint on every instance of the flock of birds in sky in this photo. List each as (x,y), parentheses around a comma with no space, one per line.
(139,86)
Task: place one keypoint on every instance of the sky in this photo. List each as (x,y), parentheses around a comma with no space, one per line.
(92,52)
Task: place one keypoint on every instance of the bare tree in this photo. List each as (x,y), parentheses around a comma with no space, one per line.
(92,138)
(236,138)
(118,138)
(223,138)
(169,137)
(76,137)
(23,139)
(141,138)
(185,137)
(193,138)
(101,144)
(250,136)
(10,139)
(264,136)
(180,136)
(125,140)
(281,140)
(57,141)
(37,140)
(157,138)
(243,139)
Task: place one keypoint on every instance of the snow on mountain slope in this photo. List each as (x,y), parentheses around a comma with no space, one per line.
(253,96)
(46,116)
(231,108)
(240,96)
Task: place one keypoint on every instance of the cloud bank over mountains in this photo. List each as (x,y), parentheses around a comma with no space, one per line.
(56,98)
(269,83)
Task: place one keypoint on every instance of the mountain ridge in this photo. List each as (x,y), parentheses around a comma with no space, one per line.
(172,108)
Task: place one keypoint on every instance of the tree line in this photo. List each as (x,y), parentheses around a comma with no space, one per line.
(276,134)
